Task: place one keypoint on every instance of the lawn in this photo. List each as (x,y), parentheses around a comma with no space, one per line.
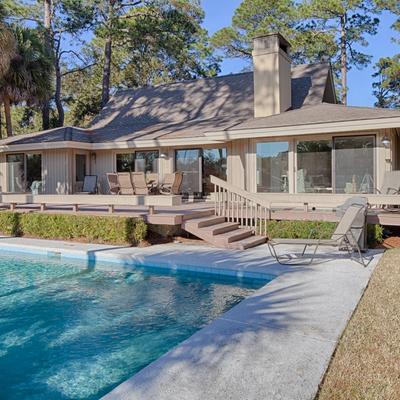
(366,364)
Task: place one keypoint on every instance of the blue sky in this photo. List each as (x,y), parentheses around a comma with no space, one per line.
(219,14)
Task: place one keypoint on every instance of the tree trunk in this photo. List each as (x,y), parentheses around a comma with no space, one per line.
(7,113)
(1,124)
(343,57)
(57,94)
(48,44)
(105,94)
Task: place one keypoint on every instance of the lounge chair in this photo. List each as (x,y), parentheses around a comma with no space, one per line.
(113,183)
(152,181)
(391,183)
(125,183)
(343,237)
(139,183)
(172,183)
(89,184)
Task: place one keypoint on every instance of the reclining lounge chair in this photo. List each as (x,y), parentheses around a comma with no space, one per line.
(343,237)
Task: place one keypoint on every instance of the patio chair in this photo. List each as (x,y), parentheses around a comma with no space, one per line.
(113,183)
(152,181)
(390,186)
(139,183)
(89,184)
(343,237)
(125,183)
(172,183)
(391,183)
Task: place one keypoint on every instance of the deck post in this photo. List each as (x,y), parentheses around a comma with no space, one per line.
(12,206)
(75,207)
(151,210)
(43,207)
(110,208)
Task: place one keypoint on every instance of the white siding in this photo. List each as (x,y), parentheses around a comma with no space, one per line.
(103,163)
(57,171)
(3,177)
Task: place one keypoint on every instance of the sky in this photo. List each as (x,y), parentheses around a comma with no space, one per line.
(218,14)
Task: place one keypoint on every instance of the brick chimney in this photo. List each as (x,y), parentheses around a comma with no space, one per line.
(272,75)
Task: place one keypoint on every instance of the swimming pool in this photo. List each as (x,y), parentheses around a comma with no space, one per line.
(68,331)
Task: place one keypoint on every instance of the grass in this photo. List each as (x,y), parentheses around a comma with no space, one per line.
(366,364)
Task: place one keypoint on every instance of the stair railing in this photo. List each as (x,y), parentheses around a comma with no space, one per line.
(238,205)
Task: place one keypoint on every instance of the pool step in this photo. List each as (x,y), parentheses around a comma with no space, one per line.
(216,231)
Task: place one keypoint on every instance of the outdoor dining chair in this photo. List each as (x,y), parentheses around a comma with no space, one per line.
(139,183)
(172,183)
(125,183)
(343,237)
(89,184)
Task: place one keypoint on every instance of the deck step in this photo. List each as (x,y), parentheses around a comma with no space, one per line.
(247,243)
(203,222)
(220,228)
(198,214)
(233,236)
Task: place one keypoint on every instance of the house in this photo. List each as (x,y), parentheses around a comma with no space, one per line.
(278,129)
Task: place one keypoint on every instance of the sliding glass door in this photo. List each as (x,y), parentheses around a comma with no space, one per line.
(214,163)
(189,161)
(354,164)
(22,171)
(272,167)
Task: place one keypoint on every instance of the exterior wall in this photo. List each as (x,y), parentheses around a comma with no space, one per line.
(103,163)
(3,169)
(57,171)
(238,163)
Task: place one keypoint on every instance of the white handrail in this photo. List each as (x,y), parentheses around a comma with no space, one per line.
(238,205)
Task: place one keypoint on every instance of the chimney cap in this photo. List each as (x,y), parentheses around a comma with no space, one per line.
(269,40)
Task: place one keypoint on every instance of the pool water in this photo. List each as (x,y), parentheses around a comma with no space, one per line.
(68,331)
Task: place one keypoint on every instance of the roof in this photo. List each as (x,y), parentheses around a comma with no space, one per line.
(316,114)
(182,109)
(205,107)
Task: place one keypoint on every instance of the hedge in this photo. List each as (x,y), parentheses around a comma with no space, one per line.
(316,230)
(95,229)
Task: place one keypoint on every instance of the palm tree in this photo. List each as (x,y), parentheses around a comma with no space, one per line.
(28,78)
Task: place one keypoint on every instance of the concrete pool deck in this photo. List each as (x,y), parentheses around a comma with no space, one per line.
(275,344)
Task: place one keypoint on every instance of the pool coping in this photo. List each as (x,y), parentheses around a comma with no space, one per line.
(275,344)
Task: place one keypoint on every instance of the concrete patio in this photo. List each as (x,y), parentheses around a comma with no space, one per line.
(276,344)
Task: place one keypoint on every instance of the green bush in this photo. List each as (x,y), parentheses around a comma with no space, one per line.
(300,229)
(316,230)
(115,230)
(374,235)
(9,223)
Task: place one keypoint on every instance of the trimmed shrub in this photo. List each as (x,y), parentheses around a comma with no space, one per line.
(316,230)
(9,223)
(113,230)
(300,229)
(374,235)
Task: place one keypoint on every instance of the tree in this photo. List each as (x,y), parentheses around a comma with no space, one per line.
(29,77)
(387,86)
(348,21)
(157,43)
(253,18)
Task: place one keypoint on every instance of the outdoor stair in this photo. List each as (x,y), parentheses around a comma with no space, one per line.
(218,232)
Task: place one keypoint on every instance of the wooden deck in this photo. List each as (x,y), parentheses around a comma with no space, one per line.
(176,215)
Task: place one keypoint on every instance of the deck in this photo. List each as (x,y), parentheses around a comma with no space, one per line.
(176,215)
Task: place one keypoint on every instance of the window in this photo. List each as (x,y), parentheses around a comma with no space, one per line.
(188,161)
(22,171)
(16,173)
(33,169)
(80,167)
(314,166)
(214,163)
(354,164)
(146,161)
(125,162)
(272,167)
